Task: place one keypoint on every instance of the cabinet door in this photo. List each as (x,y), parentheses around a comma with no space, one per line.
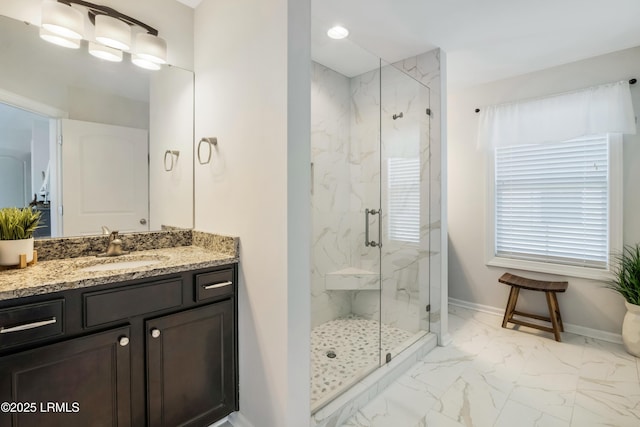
(81,382)
(190,366)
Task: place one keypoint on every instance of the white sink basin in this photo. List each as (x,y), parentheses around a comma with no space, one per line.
(121,265)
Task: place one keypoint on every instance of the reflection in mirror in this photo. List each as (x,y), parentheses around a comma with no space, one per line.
(24,161)
(83,139)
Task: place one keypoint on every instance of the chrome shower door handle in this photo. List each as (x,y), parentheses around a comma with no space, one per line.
(368,212)
(366,227)
(380,226)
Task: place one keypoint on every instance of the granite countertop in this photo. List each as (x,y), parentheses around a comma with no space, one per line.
(70,273)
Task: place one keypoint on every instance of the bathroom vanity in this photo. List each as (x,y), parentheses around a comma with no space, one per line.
(113,345)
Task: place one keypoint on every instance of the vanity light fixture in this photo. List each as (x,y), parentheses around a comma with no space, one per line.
(151,48)
(63,25)
(338,32)
(62,19)
(58,39)
(112,32)
(143,63)
(105,52)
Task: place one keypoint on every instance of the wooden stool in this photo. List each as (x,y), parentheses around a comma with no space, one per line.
(549,288)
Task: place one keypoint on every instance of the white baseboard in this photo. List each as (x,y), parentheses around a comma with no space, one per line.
(568,327)
(236,419)
(221,423)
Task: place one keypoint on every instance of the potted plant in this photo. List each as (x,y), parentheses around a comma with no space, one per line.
(626,281)
(16,234)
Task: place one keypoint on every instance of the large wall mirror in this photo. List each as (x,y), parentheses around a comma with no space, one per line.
(93,143)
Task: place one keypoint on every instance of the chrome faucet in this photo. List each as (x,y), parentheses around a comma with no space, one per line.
(114,247)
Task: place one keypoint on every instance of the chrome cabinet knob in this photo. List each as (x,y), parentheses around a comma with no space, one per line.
(123,341)
(155,333)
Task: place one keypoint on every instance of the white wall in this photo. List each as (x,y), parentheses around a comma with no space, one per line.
(103,107)
(586,304)
(171,128)
(252,65)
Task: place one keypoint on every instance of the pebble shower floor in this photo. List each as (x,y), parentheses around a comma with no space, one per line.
(354,340)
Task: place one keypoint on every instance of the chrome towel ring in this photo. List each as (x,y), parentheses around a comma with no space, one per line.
(210,141)
(172,159)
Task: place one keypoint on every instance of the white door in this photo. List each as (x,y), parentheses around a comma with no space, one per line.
(104,178)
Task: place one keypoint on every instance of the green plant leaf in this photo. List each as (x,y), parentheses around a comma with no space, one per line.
(18,224)
(626,272)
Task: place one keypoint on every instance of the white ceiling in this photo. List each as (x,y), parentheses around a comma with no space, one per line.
(484,40)
(191,3)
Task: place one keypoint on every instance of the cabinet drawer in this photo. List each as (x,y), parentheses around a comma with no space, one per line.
(31,322)
(118,304)
(214,284)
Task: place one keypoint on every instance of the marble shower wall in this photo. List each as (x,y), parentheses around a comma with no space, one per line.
(331,191)
(346,157)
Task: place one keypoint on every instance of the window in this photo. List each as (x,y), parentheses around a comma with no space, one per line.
(556,206)
(404,199)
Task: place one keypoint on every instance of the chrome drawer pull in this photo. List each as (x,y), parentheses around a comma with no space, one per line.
(27,326)
(217,285)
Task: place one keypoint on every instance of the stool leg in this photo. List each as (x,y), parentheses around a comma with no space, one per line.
(556,307)
(511,305)
(552,315)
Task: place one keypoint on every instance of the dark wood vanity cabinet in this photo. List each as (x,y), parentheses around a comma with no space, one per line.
(189,360)
(80,382)
(154,352)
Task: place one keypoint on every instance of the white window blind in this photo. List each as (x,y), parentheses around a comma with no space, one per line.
(404,199)
(552,202)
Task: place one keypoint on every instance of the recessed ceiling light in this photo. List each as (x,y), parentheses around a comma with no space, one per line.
(338,32)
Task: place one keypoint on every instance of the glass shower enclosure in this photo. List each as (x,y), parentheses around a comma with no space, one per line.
(370,216)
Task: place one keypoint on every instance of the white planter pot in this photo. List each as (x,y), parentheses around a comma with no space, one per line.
(631,329)
(10,251)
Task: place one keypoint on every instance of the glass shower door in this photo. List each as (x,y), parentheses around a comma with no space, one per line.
(404,167)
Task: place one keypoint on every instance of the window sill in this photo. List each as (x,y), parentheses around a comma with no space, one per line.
(557,269)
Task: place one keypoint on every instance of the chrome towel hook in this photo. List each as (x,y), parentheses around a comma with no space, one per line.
(210,141)
(173,158)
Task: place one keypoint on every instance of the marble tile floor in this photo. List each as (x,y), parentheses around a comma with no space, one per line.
(355,343)
(490,376)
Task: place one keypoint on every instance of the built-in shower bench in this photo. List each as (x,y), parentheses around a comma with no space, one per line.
(352,279)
